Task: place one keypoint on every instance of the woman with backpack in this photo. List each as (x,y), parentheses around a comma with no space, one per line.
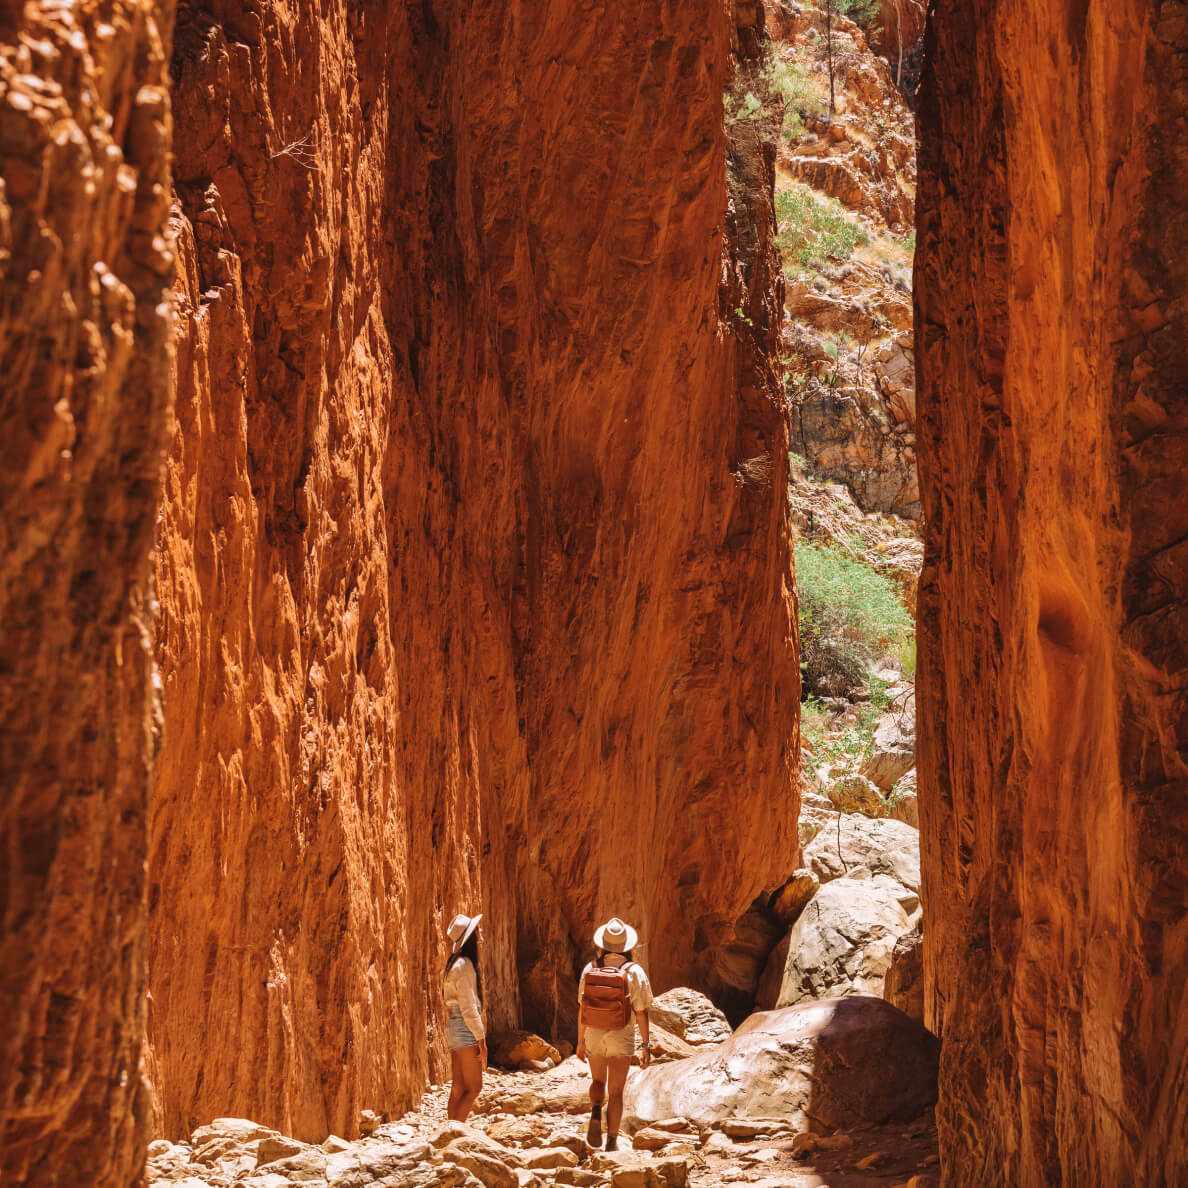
(465,1033)
(614,994)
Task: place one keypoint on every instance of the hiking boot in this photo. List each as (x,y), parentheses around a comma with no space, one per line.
(612,1142)
(594,1131)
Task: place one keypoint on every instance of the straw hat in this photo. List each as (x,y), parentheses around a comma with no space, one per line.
(615,936)
(460,929)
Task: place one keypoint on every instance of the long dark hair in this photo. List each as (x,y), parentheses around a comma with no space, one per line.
(469,949)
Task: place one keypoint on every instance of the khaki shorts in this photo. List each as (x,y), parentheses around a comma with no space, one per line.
(611,1044)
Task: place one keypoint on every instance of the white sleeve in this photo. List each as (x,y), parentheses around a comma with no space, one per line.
(640,988)
(582,981)
(468,1000)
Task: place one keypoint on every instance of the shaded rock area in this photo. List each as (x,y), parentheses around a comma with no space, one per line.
(904,983)
(1054,599)
(529,1128)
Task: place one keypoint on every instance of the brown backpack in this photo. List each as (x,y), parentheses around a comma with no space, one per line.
(606,1004)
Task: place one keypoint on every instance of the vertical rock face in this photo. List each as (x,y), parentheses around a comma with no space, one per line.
(84,269)
(1052,312)
(474,558)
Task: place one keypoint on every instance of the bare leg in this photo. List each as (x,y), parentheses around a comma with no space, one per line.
(617,1069)
(468,1081)
(598,1075)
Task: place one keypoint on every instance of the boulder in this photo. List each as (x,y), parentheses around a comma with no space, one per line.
(903,986)
(816,811)
(881,846)
(275,1147)
(551,1157)
(893,748)
(666,1046)
(826,1066)
(854,793)
(631,1169)
(842,943)
(520,1050)
(768,993)
(790,900)
(902,804)
(689,1015)
(564,1089)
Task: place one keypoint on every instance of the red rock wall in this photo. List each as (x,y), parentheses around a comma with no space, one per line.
(84,269)
(1052,313)
(474,561)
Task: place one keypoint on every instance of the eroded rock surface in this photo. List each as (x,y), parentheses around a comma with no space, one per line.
(825,1065)
(843,941)
(474,560)
(85,266)
(1052,295)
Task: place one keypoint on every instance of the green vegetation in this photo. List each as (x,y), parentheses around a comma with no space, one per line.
(790,80)
(852,746)
(814,230)
(748,107)
(850,615)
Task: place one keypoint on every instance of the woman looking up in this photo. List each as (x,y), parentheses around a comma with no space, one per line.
(465,1033)
(614,994)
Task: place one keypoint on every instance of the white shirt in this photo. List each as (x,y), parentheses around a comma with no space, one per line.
(461,987)
(639,989)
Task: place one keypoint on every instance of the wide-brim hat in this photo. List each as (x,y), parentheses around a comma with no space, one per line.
(615,937)
(460,929)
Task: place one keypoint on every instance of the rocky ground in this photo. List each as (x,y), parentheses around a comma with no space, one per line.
(518,1139)
(832,1088)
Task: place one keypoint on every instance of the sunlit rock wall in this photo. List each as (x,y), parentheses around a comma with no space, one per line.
(1052,312)
(84,398)
(474,558)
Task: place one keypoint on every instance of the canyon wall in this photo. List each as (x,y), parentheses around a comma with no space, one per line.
(84,400)
(1052,309)
(474,558)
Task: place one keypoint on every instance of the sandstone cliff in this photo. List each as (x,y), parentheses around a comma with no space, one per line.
(84,398)
(845,201)
(474,555)
(1052,313)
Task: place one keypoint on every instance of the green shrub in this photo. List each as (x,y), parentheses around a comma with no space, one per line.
(813,231)
(850,747)
(850,615)
(790,80)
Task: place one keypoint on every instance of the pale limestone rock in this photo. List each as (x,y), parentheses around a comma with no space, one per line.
(882,846)
(843,941)
(551,1157)
(690,1016)
(855,1060)
(276,1147)
(893,747)
(854,793)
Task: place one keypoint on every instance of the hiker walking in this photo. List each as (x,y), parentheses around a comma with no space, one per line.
(614,994)
(465,1033)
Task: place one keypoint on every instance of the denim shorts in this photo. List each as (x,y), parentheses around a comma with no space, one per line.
(458,1035)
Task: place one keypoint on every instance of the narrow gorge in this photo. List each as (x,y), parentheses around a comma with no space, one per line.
(433,437)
